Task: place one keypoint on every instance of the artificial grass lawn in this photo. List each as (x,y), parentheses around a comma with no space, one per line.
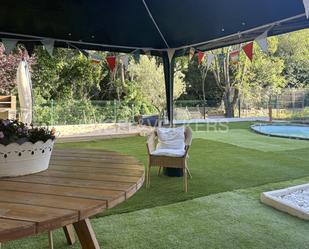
(231,220)
(230,170)
(219,161)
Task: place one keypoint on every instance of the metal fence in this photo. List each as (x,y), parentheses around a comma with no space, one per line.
(289,104)
(85,112)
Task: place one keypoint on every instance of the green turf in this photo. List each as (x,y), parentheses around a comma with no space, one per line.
(230,170)
(248,139)
(216,166)
(232,220)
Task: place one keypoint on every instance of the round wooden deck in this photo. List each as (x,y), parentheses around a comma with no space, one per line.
(78,184)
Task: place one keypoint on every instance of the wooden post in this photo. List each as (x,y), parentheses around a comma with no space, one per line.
(50,240)
(69,234)
(86,234)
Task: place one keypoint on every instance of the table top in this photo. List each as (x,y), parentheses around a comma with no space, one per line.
(78,184)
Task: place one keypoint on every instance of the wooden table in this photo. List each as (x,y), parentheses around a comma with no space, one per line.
(78,184)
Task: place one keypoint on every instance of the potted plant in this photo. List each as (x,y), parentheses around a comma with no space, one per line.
(24,150)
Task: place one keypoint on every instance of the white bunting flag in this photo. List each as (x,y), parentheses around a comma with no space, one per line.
(262,42)
(49,45)
(9,44)
(170,53)
(210,58)
(125,60)
(306,4)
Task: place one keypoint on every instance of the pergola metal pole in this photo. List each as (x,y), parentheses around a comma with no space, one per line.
(169,85)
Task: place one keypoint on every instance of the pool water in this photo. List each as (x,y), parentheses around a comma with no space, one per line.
(287,130)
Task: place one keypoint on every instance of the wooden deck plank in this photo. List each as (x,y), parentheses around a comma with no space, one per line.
(13,229)
(44,217)
(85,207)
(97,170)
(90,159)
(71,182)
(78,184)
(97,164)
(88,151)
(89,193)
(90,176)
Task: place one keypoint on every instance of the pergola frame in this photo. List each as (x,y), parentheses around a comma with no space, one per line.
(167,29)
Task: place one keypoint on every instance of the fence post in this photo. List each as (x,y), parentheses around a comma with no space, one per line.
(239,106)
(115,111)
(52,112)
(204,108)
(133,108)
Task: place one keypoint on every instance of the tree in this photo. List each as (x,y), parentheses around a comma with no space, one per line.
(66,75)
(148,77)
(199,84)
(267,72)
(8,67)
(228,77)
(293,48)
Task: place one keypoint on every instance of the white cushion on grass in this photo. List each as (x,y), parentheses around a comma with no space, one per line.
(168,152)
(171,138)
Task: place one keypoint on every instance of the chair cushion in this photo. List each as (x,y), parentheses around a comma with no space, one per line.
(171,138)
(168,152)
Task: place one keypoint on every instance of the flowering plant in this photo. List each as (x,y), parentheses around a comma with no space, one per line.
(15,131)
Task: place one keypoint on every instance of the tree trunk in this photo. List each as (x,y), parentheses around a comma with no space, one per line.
(228,106)
(230,102)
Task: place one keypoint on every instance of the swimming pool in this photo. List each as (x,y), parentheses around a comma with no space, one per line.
(283,130)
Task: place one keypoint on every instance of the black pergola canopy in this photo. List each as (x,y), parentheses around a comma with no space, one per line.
(155,25)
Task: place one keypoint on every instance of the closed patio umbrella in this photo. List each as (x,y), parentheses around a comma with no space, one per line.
(24,86)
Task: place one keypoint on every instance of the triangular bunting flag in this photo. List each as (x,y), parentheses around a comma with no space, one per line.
(210,58)
(200,57)
(262,42)
(170,53)
(136,56)
(111,61)
(248,49)
(9,44)
(191,53)
(49,45)
(125,60)
(234,56)
(306,4)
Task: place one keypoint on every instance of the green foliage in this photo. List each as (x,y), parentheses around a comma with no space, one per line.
(139,89)
(148,77)
(293,48)
(193,78)
(66,75)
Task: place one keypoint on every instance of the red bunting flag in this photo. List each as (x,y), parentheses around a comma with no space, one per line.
(234,57)
(200,57)
(111,61)
(248,49)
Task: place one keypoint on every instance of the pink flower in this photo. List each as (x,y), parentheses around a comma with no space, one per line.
(6,122)
(1,135)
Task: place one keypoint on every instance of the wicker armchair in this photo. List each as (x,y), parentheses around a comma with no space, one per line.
(168,161)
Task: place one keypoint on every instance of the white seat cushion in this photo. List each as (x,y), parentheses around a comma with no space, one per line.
(171,138)
(168,152)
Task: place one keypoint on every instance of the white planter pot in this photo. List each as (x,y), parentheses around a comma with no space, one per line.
(25,159)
